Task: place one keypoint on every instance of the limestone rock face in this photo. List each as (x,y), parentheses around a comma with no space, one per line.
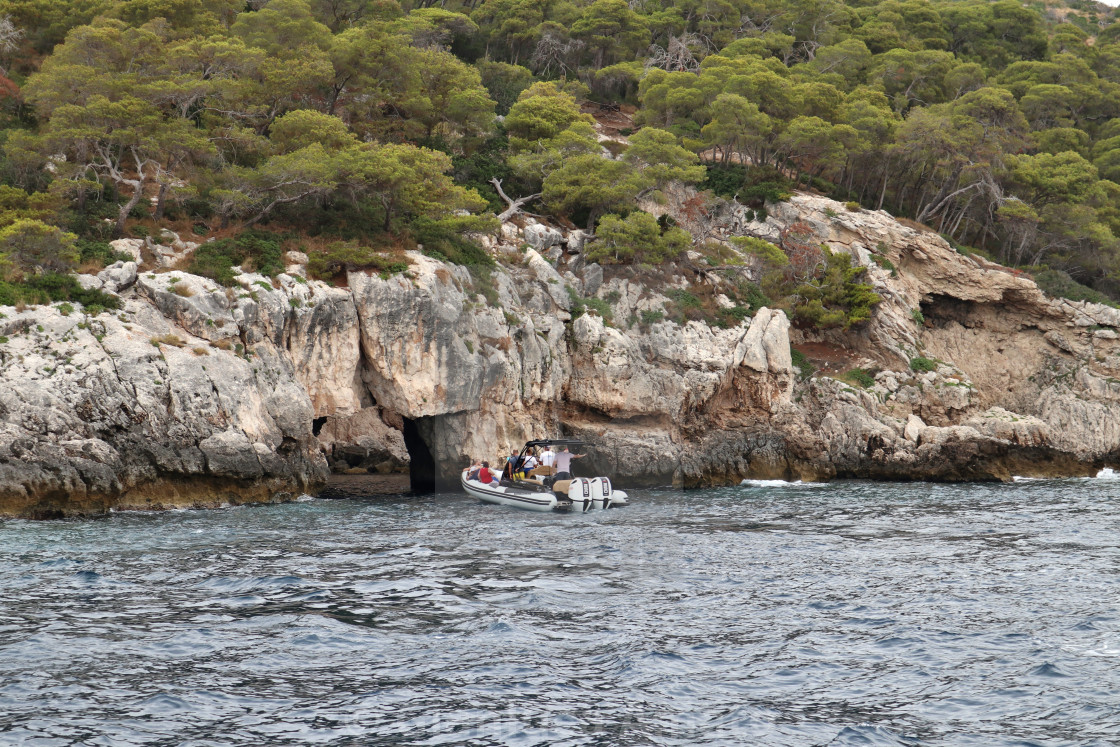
(117,277)
(131,247)
(198,305)
(97,413)
(364,441)
(196,394)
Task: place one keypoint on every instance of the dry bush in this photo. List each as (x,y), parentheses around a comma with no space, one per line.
(168,339)
(222,344)
(909,223)
(182,290)
(200,351)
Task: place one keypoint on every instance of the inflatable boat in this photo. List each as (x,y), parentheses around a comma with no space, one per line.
(540,491)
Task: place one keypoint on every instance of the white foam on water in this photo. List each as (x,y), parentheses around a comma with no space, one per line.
(769,483)
(304,498)
(1017,478)
(1110,653)
(1108,474)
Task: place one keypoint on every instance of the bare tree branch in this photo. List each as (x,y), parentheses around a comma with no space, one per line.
(514,205)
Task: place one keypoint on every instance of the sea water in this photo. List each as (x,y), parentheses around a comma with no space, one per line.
(848,613)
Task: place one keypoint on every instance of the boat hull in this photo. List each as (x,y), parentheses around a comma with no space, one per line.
(506,496)
(539,500)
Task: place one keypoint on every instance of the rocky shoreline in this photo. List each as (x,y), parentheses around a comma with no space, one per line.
(197,395)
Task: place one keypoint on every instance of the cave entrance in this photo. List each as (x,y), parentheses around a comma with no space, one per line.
(422,466)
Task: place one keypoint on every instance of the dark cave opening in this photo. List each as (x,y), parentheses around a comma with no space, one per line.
(422,466)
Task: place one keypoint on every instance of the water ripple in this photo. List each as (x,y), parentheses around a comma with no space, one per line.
(769,613)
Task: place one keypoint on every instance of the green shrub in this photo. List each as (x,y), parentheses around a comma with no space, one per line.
(577,303)
(754,185)
(651,317)
(885,263)
(504,82)
(859,376)
(444,240)
(29,247)
(832,295)
(215,261)
(600,307)
(1060,285)
(732,317)
(754,297)
(637,238)
(483,277)
(252,250)
(801,363)
(812,313)
(854,207)
(762,250)
(684,299)
(918,317)
(51,287)
(347,256)
(920,364)
(93,251)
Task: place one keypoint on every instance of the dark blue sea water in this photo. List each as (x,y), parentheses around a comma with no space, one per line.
(841,614)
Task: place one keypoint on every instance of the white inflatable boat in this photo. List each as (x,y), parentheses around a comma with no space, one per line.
(538,492)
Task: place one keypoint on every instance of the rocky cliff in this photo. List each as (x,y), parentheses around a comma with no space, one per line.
(195,394)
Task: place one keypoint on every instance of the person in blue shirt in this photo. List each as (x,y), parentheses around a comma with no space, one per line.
(513,467)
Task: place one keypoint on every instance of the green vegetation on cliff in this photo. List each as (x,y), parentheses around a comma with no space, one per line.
(366,126)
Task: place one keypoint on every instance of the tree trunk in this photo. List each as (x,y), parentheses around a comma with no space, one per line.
(883,191)
(160,200)
(336,92)
(387,203)
(137,193)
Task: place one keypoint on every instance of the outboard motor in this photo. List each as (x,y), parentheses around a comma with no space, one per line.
(579,491)
(601,492)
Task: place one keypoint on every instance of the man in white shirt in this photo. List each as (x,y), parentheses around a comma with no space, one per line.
(548,457)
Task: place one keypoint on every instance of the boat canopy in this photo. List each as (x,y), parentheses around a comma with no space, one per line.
(569,442)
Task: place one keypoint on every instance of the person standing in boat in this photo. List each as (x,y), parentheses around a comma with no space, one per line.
(564,464)
(548,457)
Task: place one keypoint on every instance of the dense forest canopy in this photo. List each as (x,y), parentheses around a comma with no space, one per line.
(378,122)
